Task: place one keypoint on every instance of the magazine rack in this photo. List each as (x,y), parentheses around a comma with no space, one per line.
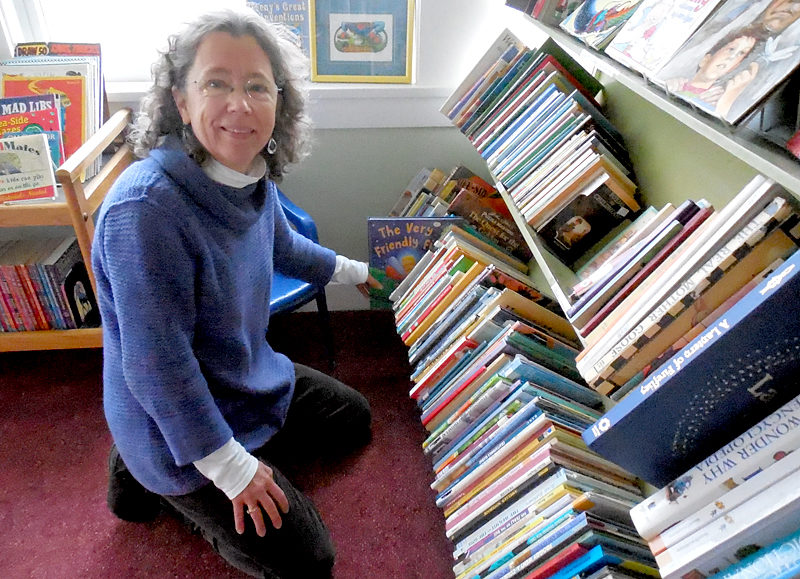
(77,209)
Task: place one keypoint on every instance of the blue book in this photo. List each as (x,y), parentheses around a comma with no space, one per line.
(738,371)
(778,560)
(597,557)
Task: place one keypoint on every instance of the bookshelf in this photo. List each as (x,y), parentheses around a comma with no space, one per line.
(81,200)
(740,143)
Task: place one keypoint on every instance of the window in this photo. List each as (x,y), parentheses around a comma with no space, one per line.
(131,33)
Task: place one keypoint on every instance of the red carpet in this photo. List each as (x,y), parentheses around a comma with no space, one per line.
(53,518)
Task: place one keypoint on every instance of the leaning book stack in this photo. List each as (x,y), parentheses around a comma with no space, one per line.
(532,115)
(494,377)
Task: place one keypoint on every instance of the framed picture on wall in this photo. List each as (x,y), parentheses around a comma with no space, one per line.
(362,40)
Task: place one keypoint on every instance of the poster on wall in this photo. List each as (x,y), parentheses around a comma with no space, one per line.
(293,14)
(362,40)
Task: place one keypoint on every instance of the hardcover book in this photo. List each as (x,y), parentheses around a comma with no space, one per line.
(396,244)
(595,22)
(763,38)
(729,378)
(26,168)
(722,472)
(656,31)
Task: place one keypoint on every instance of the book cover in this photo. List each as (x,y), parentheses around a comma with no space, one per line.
(584,222)
(68,277)
(293,15)
(738,461)
(72,93)
(737,58)
(490,216)
(34,114)
(26,168)
(729,378)
(655,32)
(595,22)
(396,244)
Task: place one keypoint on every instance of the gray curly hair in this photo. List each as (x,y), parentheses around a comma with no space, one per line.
(159,116)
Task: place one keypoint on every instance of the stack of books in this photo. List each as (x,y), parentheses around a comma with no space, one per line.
(44,285)
(532,115)
(493,372)
(46,78)
(734,502)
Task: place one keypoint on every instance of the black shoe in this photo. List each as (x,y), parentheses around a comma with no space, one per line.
(126,498)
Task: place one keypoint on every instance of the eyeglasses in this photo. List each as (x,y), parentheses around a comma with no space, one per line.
(258,90)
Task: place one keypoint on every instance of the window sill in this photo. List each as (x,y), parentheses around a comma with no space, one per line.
(343,106)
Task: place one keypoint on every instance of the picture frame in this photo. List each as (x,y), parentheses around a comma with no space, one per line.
(362,40)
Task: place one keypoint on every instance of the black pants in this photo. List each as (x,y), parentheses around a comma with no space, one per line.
(325,418)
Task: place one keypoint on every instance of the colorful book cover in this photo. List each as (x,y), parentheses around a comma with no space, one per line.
(26,168)
(292,14)
(778,560)
(729,378)
(72,93)
(737,58)
(595,22)
(34,114)
(655,32)
(396,245)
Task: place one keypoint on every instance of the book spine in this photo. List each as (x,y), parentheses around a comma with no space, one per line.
(787,466)
(25,313)
(43,286)
(761,520)
(777,211)
(43,321)
(743,457)
(58,293)
(15,318)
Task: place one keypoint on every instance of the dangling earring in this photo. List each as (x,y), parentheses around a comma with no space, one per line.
(272,146)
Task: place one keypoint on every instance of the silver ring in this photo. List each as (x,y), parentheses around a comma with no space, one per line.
(251,510)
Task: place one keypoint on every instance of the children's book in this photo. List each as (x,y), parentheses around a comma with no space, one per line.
(655,32)
(595,22)
(742,53)
(26,168)
(34,114)
(396,245)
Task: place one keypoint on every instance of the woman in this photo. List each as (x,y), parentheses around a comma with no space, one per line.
(199,406)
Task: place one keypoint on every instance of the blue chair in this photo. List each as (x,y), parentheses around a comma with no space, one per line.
(288,294)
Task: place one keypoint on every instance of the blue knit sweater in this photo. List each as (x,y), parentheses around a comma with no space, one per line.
(184,267)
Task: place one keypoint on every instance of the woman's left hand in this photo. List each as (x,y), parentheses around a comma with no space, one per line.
(371,282)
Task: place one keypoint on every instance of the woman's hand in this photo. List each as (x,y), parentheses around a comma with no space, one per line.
(371,282)
(262,495)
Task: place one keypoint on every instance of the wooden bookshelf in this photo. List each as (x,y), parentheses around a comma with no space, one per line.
(81,199)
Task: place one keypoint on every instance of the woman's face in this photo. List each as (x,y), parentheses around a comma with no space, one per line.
(230,99)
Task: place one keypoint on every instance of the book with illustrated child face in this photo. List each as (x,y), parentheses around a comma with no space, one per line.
(737,58)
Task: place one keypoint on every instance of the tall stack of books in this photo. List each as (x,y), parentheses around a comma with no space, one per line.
(494,376)
(532,115)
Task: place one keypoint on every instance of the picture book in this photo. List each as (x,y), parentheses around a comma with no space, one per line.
(396,245)
(764,40)
(34,114)
(26,168)
(768,443)
(490,216)
(72,93)
(585,220)
(68,277)
(595,22)
(656,31)
(729,378)
(293,15)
